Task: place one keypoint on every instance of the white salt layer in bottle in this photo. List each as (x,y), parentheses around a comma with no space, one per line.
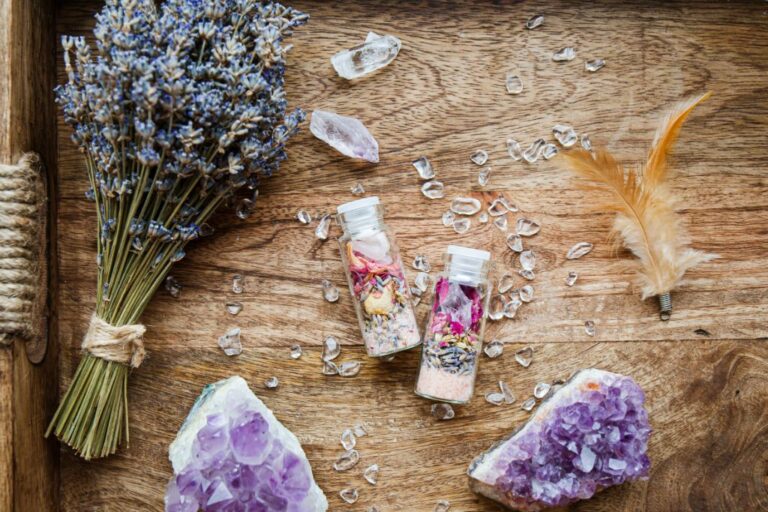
(453,336)
(374,270)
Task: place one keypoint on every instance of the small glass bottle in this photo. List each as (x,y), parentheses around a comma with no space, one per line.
(376,279)
(453,337)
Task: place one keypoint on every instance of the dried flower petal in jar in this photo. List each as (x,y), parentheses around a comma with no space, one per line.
(454,334)
(382,297)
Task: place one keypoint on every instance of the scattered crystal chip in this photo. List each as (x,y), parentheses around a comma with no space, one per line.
(371,474)
(514,150)
(527,274)
(349,368)
(173,287)
(528,405)
(524,357)
(514,84)
(443,412)
(496,308)
(594,65)
(304,217)
(331,348)
(570,280)
(421,263)
(433,189)
(511,307)
(509,397)
(506,282)
(500,206)
(272,383)
(461,226)
(323,226)
(548,151)
(578,250)
(238,283)
(483,218)
(348,439)
(448,218)
(484,176)
(565,54)
(586,142)
(501,222)
(494,397)
(479,157)
(526,293)
(424,167)
(358,189)
(528,260)
(330,368)
(349,495)
(565,135)
(534,21)
(230,342)
(442,506)
(347,460)
(465,205)
(527,227)
(422,281)
(589,328)
(541,390)
(515,242)
(296,351)
(532,153)
(234,308)
(359,431)
(494,349)
(330,292)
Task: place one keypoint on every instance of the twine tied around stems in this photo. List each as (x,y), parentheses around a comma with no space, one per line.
(123,344)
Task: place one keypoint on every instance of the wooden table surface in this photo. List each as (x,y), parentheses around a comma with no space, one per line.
(705,372)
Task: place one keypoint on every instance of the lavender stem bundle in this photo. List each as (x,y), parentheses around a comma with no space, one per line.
(178,110)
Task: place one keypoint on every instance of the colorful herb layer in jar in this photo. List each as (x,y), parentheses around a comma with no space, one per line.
(376,279)
(454,334)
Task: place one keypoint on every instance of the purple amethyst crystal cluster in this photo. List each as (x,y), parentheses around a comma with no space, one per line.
(232,455)
(589,435)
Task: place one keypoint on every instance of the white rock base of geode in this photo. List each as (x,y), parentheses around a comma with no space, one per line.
(591,434)
(232,452)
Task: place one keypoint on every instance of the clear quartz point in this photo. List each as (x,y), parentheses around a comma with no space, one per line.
(483,218)
(330,368)
(303,216)
(424,168)
(494,397)
(541,390)
(565,54)
(421,263)
(565,135)
(296,351)
(230,342)
(272,383)
(421,282)
(528,405)
(346,135)
(238,283)
(442,506)
(515,242)
(594,65)
(526,293)
(496,308)
(358,189)
(493,349)
(511,307)
(433,189)
(448,218)
(331,348)
(479,157)
(534,22)
(548,151)
(372,55)
(484,176)
(348,439)
(578,250)
(349,495)
(524,357)
(528,260)
(349,368)
(173,287)
(531,154)
(501,222)
(527,274)
(526,227)
(514,84)
(509,397)
(234,308)
(589,328)
(330,292)
(461,226)
(514,150)
(570,280)
(465,205)
(443,412)
(323,226)
(347,460)
(371,474)
(506,282)
(586,143)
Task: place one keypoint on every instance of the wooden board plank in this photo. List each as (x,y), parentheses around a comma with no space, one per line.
(704,372)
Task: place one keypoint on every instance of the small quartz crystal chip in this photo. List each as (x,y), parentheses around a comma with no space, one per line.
(528,405)
(442,506)
(515,242)
(347,460)
(479,157)
(484,176)
(330,292)
(461,226)
(527,274)
(514,150)
(514,84)
(173,287)
(230,342)
(331,348)
(501,222)
(589,328)
(532,153)
(234,308)
(443,411)
(493,349)
(494,397)
(296,351)
(433,189)
(506,282)
(272,383)
(509,397)
(349,495)
(541,390)
(346,135)
(570,280)
(374,54)
(528,260)
(534,21)
(349,368)
(321,231)
(238,283)
(524,357)
(565,54)
(371,474)
(578,250)
(526,227)
(565,135)
(500,206)
(465,205)
(303,216)
(511,307)
(496,308)
(330,368)
(594,65)
(421,263)
(526,293)
(483,218)
(424,168)
(358,189)
(586,143)
(348,439)
(548,151)
(448,218)
(422,281)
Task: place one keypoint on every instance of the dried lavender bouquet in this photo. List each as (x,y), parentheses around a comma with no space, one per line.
(177,109)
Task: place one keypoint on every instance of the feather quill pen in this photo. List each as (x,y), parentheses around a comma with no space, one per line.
(644,205)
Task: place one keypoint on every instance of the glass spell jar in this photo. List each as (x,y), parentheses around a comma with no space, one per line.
(376,279)
(453,337)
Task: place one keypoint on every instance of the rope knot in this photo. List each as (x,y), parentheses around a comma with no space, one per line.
(123,344)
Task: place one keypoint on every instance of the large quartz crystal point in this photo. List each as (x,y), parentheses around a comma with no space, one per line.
(346,135)
(375,53)
(590,434)
(231,453)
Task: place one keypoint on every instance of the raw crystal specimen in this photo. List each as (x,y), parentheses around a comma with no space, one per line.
(529,404)
(346,135)
(230,342)
(527,274)
(594,65)
(511,307)
(493,349)
(514,149)
(433,189)
(448,218)
(465,205)
(494,397)
(461,226)
(421,263)
(479,157)
(234,308)
(564,54)
(442,506)
(330,292)
(331,348)
(371,474)
(232,453)
(548,151)
(443,412)
(526,227)
(570,280)
(526,293)
(296,351)
(590,434)
(359,431)
(531,154)
(578,250)
(347,460)
(514,84)
(501,223)
(271,383)
(348,439)
(366,58)
(321,231)
(496,308)
(172,286)
(589,328)
(524,357)
(358,189)
(586,143)
(509,397)
(482,218)
(484,176)
(303,216)
(330,368)
(565,135)
(349,368)
(528,260)
(506,282)
(238,283)
(349,495)
(424,168)
(515,242)
(534,21)
(541,390)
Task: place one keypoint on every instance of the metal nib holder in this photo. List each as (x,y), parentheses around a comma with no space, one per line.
(665,306)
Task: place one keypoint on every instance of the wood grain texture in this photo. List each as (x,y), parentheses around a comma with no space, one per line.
(705,372)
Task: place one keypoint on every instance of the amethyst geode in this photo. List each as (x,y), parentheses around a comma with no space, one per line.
(232,454)
(592,433)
